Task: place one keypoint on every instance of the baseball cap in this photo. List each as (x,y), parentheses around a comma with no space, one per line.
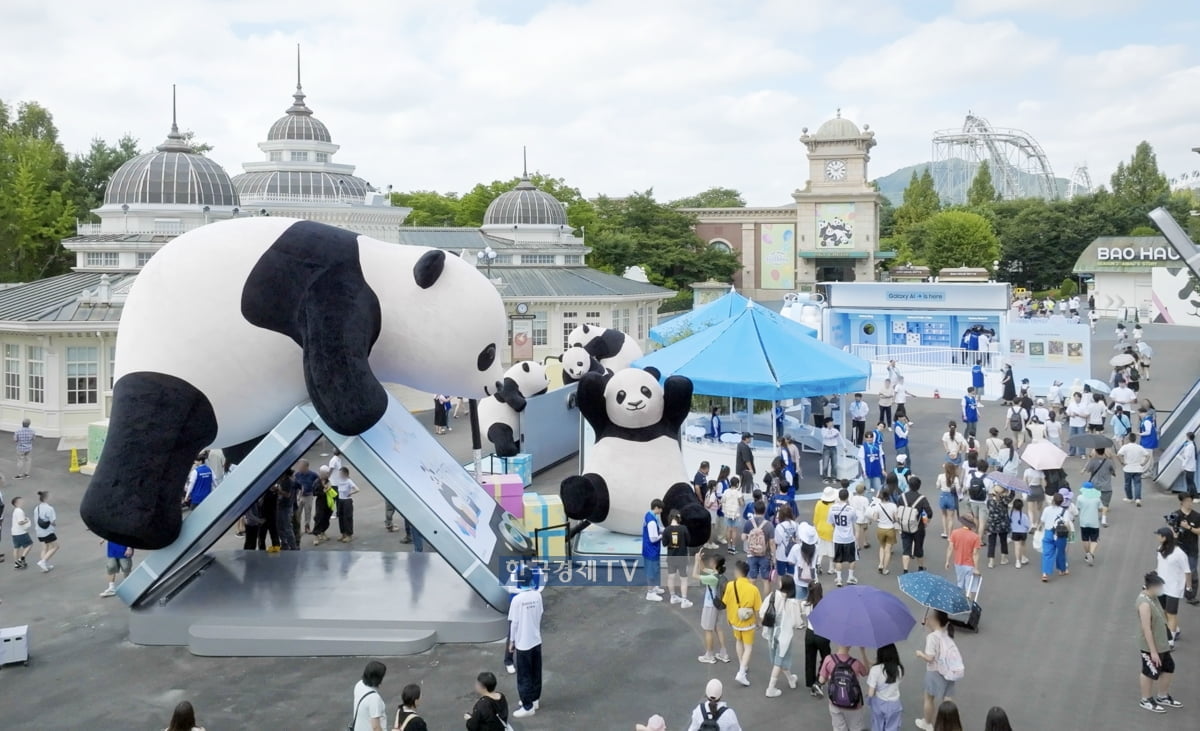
(901,458)
(713,690)
(1165,532)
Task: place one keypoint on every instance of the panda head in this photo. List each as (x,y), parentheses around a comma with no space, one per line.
(634,398)
(530,376)
(583,335)
(576,362)
(442,323)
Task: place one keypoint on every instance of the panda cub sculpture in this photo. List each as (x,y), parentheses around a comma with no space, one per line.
(636,456)
(500,413)
(233,324)
(614,349)
(577,362)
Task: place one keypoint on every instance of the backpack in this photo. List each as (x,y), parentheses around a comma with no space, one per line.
(843,689)
(1015,422)
(718,593)
(789,541)
(1061,529)
(949,661)
(41,522)
(756,540)
(976,490)
(709,720)
(731,501)
(909,516)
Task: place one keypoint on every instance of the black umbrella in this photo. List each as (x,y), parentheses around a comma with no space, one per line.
(1090,441)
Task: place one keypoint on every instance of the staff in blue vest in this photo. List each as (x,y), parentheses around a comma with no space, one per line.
(970,412)
(199,483)
(870,457)
(900,436)
(1148,437)
(977,376)
(714,424)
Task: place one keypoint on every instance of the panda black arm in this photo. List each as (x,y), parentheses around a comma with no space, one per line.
(508,392)
(677,401)
(589,395)
(611,342)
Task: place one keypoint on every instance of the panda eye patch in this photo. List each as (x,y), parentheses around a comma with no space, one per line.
(646,391)
(620,397)
(487,357)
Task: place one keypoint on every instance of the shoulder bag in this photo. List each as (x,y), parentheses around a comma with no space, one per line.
(354,718)
(743,613)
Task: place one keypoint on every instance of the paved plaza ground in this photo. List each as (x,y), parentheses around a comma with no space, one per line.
(1057,656)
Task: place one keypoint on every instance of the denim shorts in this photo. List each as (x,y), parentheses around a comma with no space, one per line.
(948,501)
(760,567)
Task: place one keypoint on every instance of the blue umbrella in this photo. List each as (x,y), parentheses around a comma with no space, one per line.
(862,616)
(1098,386)
(934,591)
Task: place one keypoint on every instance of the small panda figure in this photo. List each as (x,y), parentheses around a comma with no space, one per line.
(614,349)
(636,456)
(500,413)
(577,362)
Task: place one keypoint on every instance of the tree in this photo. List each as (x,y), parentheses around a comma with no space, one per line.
(199,147)
(956,238)
(712,198)
(920,203)
(89,173)
(1140,184)
(429,208)
(580,213)
(982,192)
(1068,288)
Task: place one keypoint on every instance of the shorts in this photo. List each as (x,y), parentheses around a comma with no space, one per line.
(1037,495)
(913,544)
(937,686)
(1089,535)
(1019,537)
(744,636)
(845,553)
(653,570)
(113,566)
(824,548)
(783,568)
(760,568)
(733,522)
(48,538)
(708,618)
(954,460)
(1170,604)
(1095,428)
(948,501)
(886,536)
(1106,498)
(1167,665)
(21,541)
(680,565)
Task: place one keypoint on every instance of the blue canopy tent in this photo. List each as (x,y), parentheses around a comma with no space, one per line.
(728,305)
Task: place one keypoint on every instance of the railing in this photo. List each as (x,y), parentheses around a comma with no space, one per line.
(927,357)
(926,370)
(94,229)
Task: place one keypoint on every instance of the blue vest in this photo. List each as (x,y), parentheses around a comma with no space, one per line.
(650,549)
(973,341)
(203,484)
(900,441)
(977,376)
(1149,441)
(970,409)
(715,427)
(873,460)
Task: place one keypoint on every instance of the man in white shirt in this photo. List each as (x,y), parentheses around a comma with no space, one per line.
(44,512)
(1041,412)
(525,641)
(1077,413)
(901,397)
(859,410)
(20,533)
(1123,396)
(1133,458)
(831,440)
(369,709)
(345,502)
(845,551)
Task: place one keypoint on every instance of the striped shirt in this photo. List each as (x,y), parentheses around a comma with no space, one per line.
(24,439)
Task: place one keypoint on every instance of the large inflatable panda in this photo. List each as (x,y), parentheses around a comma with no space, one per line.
(500,413)
(636,456)
(614,349)
(230,326)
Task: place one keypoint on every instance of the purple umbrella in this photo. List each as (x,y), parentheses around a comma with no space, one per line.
(1012,482)
(862,616)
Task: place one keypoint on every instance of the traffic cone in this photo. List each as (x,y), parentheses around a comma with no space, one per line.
(74,461)
(936,394)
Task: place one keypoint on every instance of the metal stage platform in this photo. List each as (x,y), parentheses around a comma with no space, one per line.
(312,603)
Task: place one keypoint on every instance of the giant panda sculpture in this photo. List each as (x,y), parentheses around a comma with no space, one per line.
(614,349)
(230,326)
(500,413)
(636,456)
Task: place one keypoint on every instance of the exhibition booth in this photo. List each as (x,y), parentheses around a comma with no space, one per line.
(1142,277)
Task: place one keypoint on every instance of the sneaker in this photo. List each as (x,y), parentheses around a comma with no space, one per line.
(791,681)
(741,678)
(839,582)
(675,598)
(109,592)
(684,604)
(512,669)
(943,535)
(1137,503)
(815,691)
(707,659)
(852,581)
(1178,631)
(1168,702)
(1148,704)
(42,565)
(722,657)
(1087,558)
(921,724)
(773,692)
(657,590)
(652,597)
(523,712)
(731,551)
(1018,564)
(1126,500)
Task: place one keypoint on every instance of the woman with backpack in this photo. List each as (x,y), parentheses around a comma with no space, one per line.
(1009,461)
(949,487)
(1017,417)
(1056,527)
(943,665)
(998,524)
(803,556)
(714,714)
(840,675)
(781,618)
(883,690)
(785,538)
(732,503)
(816,647)
(712,579)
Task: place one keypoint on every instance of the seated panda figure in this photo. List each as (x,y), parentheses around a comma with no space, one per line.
(577,362)
(614,349)
(636,456)
(500,413)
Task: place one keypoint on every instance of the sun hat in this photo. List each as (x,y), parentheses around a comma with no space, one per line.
(655,723)
(713,690)
(829,494)
(806,533)
(901,458)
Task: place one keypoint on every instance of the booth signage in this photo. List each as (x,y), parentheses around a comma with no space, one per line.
(1145,253)
(979,296)
(912,296)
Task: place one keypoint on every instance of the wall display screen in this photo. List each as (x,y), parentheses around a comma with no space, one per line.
(899,331)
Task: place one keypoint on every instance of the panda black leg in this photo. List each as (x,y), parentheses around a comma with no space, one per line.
(503,440)
(682,497)
(158,425)
(585,497)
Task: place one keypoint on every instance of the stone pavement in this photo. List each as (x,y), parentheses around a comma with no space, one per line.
(1056,656)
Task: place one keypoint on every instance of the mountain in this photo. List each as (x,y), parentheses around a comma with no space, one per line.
(952,178)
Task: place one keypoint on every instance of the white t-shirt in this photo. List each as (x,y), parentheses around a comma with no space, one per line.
(1053,431)
(1134,457)
(1173,569)
(525,614)
(842,518)
(372,707)
(727,722)
(1052,513)
(901,394)
(335,464)
(860,503)
(20,523)
(1097,412)
(802,572)
(345,487)
(884,513)
(42,511)
(1034,478)
(1077,413)
(785,530)
(884,691)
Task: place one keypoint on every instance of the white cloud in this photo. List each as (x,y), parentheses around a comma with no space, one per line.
(1124,67)
(1067,8)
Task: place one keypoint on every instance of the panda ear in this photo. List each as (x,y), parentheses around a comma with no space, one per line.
(654,372)
(428,268)
(586,329)
(525,367)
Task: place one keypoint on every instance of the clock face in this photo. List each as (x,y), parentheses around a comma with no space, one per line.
(835,170)
(522,308)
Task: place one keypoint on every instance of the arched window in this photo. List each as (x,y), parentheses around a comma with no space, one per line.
(721,245)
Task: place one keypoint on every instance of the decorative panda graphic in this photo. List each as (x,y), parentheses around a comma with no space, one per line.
(232,325)
(636,456)
(614,349)
(500,413)
(577,362)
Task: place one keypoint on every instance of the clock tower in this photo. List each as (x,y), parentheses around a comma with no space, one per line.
(837,211)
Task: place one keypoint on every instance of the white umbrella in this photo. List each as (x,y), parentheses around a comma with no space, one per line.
(1145,349)
(1042,455)
(1122,359)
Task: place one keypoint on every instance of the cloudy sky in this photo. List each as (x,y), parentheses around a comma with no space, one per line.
(616,95)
